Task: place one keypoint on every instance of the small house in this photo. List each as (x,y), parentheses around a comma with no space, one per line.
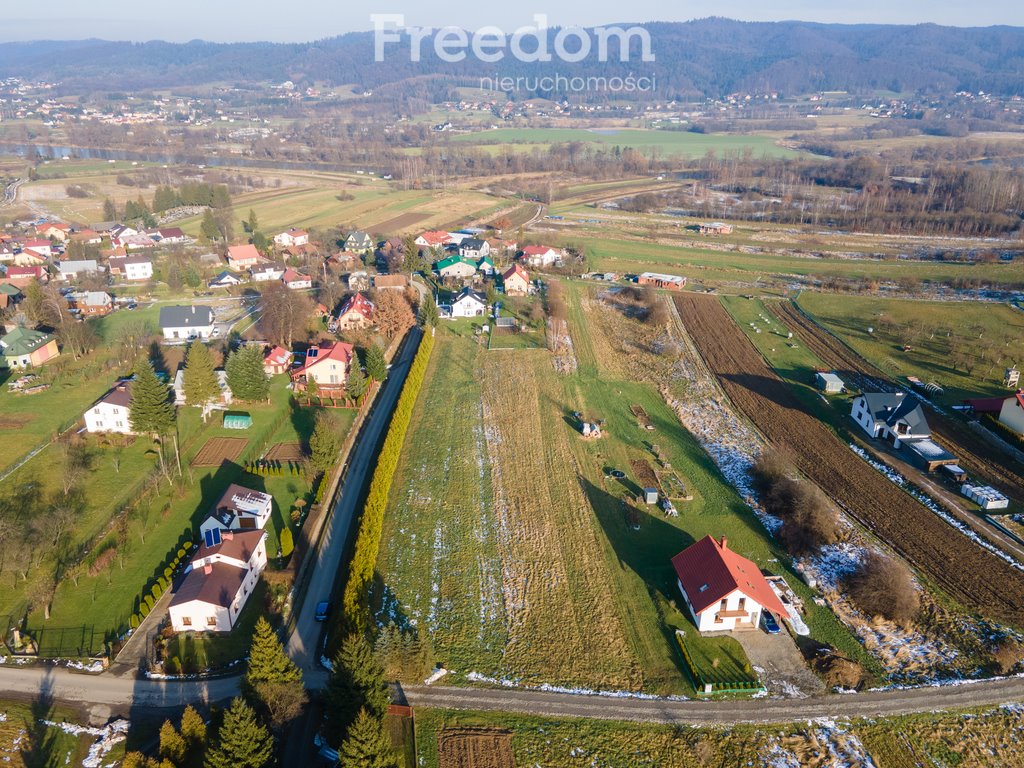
(359,241)
(714,228)
(723,590)
(268,272)
(277,360)
(225,279)
(828,383)
(469,303)
(242,257)
(516,281)
(295,280)
(541,255)
(92,303)
(26,348)
(433,240)
(474,248)
(891,416)
(111,413)
(355,313)
(131,268)
(181,323)
(292,237)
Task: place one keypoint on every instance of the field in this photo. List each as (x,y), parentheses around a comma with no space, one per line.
(964,347)
(668,143)
(475,748)
(25,742)
(977,454)
(967,572)
(218,450)
(286,452)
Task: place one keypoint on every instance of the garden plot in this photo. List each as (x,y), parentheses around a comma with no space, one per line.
(475,748)
(218,450)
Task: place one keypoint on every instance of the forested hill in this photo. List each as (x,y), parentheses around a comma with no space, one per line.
(709,57)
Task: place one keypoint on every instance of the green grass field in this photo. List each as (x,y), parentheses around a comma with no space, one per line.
(945,339)
(668,143)
(25,742)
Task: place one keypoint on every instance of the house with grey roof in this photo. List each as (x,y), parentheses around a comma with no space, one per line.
(181,322)
(898,418)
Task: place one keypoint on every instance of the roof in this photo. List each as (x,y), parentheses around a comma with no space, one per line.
(929,450)
(83,265)
(469,293)
(662,278)
(455,259)
(472,243)
(329,351)
(988,404)
(24,271)
(515,269)
(10,290)
(237,498)
(119,395)
(357,302)
(97,299)
(278,355)
(243,253)
(358,235)
(170,232)
(892,407)
(829,378)
(536,250)
(709,572)
(435,237)
(24,341)
(296,232)
(180,316)
(218,587)
(292,276)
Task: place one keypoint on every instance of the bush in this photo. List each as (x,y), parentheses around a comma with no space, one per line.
(167,573)
(808,520)
(143,610)
(180,554)
(103,561)
(882,586)
(134,621)
(161,582)
(1006,655)
(287,542)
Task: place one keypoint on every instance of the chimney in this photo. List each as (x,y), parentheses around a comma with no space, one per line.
(208,569)
(228,535)
(725,543)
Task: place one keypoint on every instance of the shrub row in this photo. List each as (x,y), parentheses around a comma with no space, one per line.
(155,589)
(364,558)
(275,468)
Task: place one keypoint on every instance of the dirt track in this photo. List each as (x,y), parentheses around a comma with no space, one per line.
(977,455)
(979,579)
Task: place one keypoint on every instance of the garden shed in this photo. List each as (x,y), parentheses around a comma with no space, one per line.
(237,421)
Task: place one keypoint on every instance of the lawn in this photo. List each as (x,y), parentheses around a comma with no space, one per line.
(25,742)
(946,339)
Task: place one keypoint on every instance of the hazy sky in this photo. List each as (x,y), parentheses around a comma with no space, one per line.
(302,20)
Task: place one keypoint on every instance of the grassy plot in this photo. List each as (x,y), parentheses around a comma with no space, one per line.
(25,742)
(962,346)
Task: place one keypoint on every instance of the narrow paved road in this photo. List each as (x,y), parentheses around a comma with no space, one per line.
(305,643)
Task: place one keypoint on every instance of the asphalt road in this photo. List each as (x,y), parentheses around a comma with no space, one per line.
(305,643)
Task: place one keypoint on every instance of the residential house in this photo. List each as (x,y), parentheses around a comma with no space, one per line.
(1011,412)
(218,403)
(456,267)
(899,419)
(657,280)
(139,242)
(714,228)
(9,295)
(183,322)
(356,312)
(6,254)
(486,267)
(111,413)
(292,237)
(31,257)
(226,279)
(131,268)
(474,248)
(242,257)
(218,582)
(328,365)
(239,509)
(75,270)
(119,231)
(516,281)
(277,360)
(87,237)
(296,280)
(541,255)
(42,247)
(433,240)
(390,282)
(359,241)
(469,303)
(50,229)
(23,276)
(723,591)
(267,272)
(26,348)
(169,236)
(344,261)
(358,281)
(92,303)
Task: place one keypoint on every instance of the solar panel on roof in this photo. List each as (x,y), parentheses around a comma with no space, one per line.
(212,537)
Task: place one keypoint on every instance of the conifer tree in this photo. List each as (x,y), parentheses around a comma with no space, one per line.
(428,312)
(241,741)
(324,444)
(193,729)
(367,744)
(209,229)
(356,384)
(246,376)
(172,745)
(199,381)
(356,681)
(151,411)
(376,364)
(272,679)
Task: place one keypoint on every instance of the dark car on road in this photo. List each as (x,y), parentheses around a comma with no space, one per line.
(321,610)
(771,626)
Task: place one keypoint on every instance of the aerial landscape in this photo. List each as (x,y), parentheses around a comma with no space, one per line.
(392,390)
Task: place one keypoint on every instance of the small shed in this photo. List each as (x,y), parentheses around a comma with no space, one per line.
(237,421)
(828,383)
(650,495)
(985,496)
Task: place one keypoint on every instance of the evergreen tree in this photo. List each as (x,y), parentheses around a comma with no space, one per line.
(193,729)
(151,411)
(246,377)
(376,364)
(109,210)
(323,443)
(252,224)
(241,741)
(367,744)
(208,229)
(428,312)
(356,384)
(356,681)
(272,680)
(199,380)
(172,745)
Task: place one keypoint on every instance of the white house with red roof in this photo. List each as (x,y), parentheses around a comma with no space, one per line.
(516,281)
(327,365)
(1011,413)
(243,257)
(291,238)
(277,360)
(111,412)
(433,239)
(356,312)
(541,255)
(295,280)
(33,253)
(55,230)
(218,581)
(723,590)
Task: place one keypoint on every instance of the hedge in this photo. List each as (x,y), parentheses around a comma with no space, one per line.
(371,525)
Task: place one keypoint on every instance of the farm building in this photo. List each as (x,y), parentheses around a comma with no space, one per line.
(723,590)
(714,228)
(218,581)
(237,421)
(828,383)
(111,413)
(985,497)
(669,282)
(24,348)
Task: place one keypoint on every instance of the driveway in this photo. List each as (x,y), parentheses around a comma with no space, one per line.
(780,664)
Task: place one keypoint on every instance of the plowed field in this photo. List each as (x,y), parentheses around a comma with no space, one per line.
(976,454)
(218,450)
(475,748)
(979,579)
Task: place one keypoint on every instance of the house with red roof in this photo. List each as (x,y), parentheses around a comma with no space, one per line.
(723,590)
(516,281)
(292,237)
(541,255)
(277,360)
(433,239)
(295,280)
(22,276)
(356,312)
(242,257)
(327,365)
(31,257)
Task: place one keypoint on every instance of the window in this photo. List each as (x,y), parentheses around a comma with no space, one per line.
(120,424)
(186,621)
(211,621)
(723,605)
(742,605)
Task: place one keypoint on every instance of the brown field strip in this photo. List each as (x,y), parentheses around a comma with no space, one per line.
(975,452)
(286,452)
(401,222)
(979,579)
(218,450)
(475,748)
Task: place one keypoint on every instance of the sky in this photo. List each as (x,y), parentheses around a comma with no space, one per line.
(305,20)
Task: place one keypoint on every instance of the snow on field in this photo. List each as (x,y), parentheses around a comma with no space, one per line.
(106,738)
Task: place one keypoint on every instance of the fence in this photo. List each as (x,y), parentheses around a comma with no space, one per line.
(58,642)
(704,686)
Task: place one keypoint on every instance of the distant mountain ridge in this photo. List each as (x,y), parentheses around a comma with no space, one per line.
(708,57)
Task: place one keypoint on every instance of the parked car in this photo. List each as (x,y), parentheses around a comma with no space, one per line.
(321,610)
(771,626)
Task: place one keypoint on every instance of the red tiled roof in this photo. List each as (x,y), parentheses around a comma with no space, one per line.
(244,253)
(515,269)
(338,350)
(277,355)
(536,250)
(291,276)
(436,237)
(358,303)
(709,572)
